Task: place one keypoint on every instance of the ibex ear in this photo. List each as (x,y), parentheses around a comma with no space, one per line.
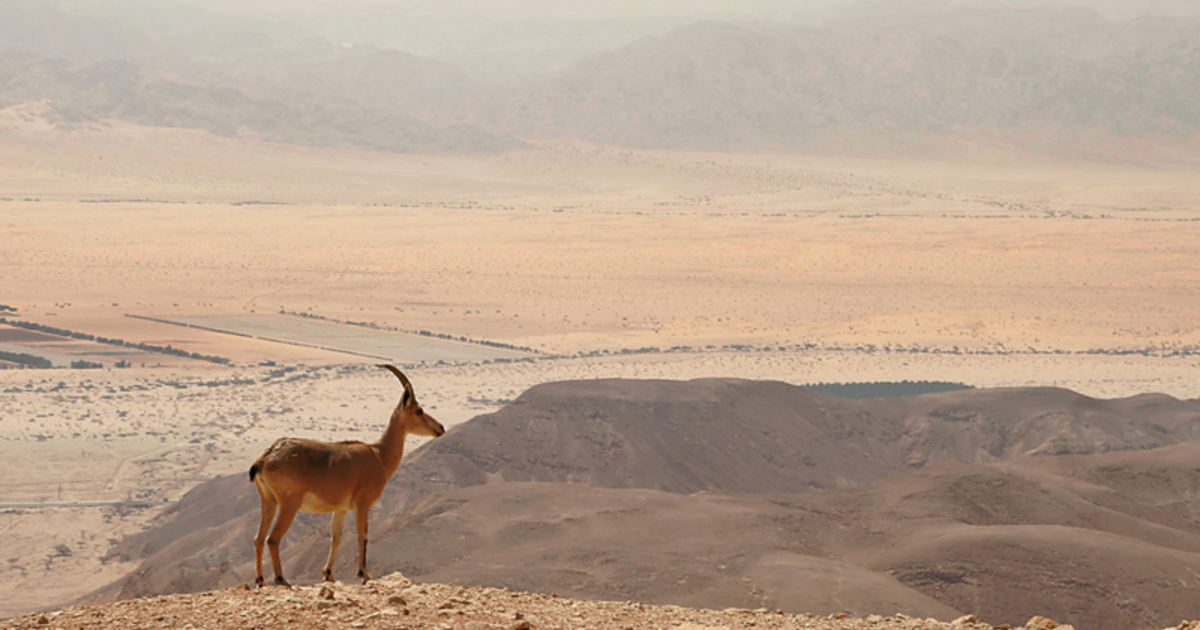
(404,400)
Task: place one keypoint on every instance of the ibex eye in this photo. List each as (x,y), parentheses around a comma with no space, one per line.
(420,412)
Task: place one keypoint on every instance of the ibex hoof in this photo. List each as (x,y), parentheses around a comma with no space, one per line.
(260,582)
(279,581)
(329,576)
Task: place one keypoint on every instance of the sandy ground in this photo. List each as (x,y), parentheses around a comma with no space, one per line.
(571,250)
(575,248)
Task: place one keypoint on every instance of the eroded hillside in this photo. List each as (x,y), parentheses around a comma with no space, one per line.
(717,492)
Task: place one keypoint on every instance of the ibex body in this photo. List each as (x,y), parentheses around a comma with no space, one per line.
(331,477)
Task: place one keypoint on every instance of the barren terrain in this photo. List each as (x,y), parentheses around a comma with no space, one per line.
(1002,503)
(1002,270)
(397,602)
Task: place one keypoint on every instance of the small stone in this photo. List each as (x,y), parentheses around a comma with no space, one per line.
(1037,622)
(964,620)
(521,625)
(396,600)
(43,620)
(478,625)
(358,624)
(326,592)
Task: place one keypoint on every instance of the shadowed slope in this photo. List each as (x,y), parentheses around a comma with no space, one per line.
(977,538)
(768,437)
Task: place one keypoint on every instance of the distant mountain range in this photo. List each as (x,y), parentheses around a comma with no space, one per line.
(1054,80)
(305,93)
(1002,503)
(1037,79)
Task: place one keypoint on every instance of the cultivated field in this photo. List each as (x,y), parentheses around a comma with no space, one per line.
(357,341)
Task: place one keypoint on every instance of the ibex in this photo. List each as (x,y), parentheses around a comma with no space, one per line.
(296,474)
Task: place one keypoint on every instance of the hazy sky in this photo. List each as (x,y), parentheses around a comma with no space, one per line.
(644,8)
(519,8)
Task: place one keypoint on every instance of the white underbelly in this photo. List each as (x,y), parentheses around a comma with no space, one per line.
(313,503)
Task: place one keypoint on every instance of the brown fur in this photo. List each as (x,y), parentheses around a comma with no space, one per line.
(296,474)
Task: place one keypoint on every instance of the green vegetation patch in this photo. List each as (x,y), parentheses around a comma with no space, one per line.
(886,389)
(144,347)
(28,360)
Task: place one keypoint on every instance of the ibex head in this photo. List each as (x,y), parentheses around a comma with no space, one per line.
(409,411)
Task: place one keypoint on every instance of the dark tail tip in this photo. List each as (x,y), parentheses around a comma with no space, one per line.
(254,470)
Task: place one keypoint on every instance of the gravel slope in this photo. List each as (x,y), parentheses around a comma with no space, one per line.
(394,602)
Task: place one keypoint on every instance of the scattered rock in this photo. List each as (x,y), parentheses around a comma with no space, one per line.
(442,607)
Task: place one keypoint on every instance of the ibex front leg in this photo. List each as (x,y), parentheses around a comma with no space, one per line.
(336,541)
(360,521)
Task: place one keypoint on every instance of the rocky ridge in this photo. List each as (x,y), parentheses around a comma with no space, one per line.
(396,602)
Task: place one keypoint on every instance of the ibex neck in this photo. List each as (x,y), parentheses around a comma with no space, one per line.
(391,445)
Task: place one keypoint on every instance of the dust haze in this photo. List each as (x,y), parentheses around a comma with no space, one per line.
(608,243)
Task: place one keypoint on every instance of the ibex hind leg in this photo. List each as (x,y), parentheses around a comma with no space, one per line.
(287,513)
(269,505)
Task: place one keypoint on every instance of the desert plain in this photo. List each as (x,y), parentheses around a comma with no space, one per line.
(559,261)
